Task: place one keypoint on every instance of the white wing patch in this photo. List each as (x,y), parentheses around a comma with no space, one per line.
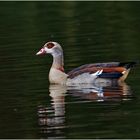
(84,78)
(96,74)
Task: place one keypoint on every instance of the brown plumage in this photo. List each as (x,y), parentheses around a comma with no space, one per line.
(110,70)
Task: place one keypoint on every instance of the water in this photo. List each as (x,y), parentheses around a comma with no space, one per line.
(89,32)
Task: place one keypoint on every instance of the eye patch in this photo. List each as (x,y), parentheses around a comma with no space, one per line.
(50,45)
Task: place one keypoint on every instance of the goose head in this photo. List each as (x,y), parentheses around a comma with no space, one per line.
(52,48)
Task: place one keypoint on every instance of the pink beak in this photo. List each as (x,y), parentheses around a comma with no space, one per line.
(41,52)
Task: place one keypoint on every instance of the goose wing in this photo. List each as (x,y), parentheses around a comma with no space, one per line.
(109,70)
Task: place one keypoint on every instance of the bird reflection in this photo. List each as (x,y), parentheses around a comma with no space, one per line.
(52,118)
(98,93)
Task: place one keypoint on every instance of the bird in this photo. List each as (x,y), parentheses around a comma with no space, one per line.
(105,72)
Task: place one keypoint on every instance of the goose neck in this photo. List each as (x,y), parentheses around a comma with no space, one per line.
(58,61)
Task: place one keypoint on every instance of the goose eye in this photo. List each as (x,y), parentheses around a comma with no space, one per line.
(50,45)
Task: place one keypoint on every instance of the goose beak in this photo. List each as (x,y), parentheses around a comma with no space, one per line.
(41,52)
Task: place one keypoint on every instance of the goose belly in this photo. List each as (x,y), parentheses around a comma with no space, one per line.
(83,78)
(87,78)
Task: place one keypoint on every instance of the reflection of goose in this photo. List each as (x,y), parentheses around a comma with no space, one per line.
(89,73)
(52,118)
(106,93)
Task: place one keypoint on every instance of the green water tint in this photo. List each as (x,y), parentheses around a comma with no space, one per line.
(89,32)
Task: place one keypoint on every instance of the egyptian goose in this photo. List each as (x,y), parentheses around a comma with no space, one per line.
(89,73)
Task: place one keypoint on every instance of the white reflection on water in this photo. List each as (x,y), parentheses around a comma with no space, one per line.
(52,118)
(103,93)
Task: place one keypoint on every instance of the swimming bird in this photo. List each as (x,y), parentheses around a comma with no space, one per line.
(85,74)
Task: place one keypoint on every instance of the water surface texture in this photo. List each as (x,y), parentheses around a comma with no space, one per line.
(89,32)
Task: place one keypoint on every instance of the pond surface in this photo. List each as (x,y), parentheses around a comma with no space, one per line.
(89,32)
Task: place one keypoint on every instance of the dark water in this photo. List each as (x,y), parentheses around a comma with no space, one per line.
(89,32)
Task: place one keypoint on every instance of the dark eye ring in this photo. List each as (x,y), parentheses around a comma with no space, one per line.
(50,45)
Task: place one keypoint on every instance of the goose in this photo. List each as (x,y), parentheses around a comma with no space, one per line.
(85,74)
